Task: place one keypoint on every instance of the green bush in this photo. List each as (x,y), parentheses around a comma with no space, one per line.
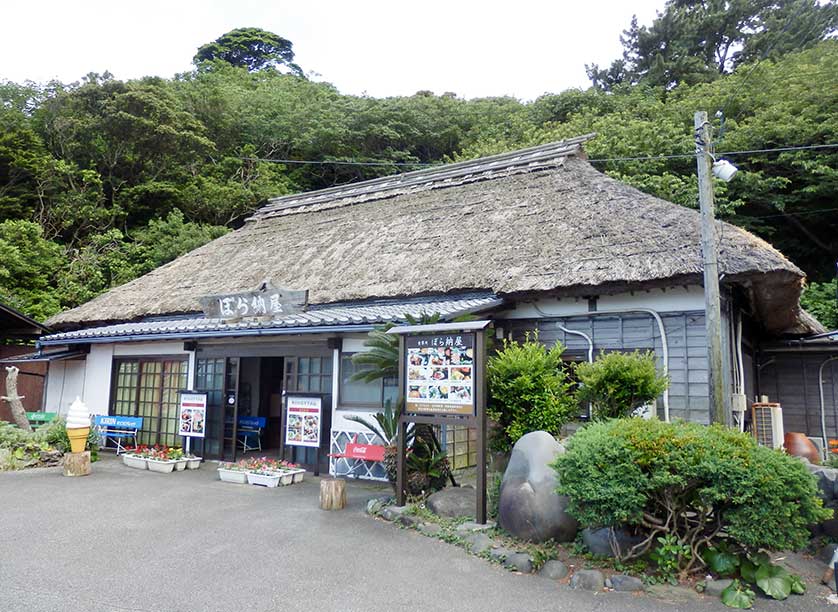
(54,434)
(618,383)
(705,486)
(528,391)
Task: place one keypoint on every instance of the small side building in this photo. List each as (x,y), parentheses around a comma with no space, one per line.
(18,334)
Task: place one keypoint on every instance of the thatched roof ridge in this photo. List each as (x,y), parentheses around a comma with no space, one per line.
(551,224)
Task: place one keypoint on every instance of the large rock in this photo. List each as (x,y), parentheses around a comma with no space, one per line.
(598,541)
(453,502)
(529,507)
(553,569)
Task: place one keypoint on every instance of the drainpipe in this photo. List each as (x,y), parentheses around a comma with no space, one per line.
(590,355)
(653,313)
(823,407)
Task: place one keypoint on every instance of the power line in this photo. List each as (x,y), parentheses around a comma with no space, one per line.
(323,162)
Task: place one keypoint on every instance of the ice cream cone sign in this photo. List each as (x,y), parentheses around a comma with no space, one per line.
(78,425)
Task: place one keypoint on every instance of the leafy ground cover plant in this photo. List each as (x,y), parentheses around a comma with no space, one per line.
(529,390)
(699,487)
(616,383)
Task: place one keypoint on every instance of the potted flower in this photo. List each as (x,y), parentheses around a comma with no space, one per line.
(233,472)
(176,454)
(193,462)
(263,478)
(136,457)
(158,460)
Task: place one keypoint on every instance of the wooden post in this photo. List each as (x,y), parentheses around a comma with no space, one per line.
(480,388)
(709,251)
(401,467)
(77,464)
(332,494)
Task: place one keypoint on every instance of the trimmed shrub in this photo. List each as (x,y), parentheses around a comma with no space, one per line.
(616,384)
(703,485)
(529,390)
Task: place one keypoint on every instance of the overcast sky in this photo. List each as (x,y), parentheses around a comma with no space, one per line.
(521,48)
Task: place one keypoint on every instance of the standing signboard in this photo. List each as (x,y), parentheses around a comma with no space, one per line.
(192,416)
(440,374)
(442,382)
(304,422)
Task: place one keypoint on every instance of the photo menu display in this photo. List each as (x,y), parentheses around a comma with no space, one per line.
(440,374)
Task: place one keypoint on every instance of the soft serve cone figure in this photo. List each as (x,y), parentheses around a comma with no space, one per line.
(78,425)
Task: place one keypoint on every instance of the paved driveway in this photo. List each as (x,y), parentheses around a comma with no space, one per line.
(124,539)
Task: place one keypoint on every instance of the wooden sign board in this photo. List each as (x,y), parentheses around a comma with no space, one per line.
(442,382)
(266,302)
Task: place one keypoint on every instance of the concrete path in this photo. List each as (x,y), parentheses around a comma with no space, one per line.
(130,540)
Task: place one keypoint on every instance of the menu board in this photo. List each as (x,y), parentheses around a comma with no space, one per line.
(193,415)
(440,374)
(303,420)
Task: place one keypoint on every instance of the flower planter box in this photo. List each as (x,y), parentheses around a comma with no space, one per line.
(163,467)
(135,462)
(193,463)
(180,464)
(298,475)
(286,478)
(234,476)
(263,480)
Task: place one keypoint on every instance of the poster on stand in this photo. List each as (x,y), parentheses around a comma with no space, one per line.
(440,374)
(193,414)
(303,419)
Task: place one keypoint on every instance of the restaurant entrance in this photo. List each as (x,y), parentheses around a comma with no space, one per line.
(247,392)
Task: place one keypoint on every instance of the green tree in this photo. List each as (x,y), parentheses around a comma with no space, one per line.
(528,391)
(821,300)
(29,265)
(250,48)
(694,42)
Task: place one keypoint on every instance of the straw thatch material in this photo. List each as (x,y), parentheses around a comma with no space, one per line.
(551,225)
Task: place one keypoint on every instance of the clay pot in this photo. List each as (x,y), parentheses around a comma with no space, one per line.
(799,445)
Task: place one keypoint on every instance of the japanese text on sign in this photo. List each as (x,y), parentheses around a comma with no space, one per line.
(265,302)
(440,374)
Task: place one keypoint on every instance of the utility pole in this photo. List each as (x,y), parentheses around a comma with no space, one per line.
(710,254)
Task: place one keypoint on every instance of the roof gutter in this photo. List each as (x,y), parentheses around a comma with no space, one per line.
(233,333)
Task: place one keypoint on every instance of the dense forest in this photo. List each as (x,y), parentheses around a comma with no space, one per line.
(103,180)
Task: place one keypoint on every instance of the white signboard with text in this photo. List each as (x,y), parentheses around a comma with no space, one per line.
(193,415)
(303,420)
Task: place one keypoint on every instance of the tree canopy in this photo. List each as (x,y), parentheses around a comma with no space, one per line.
(696,41)
(250,48)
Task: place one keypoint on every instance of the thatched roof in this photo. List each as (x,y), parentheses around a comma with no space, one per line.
(534,221)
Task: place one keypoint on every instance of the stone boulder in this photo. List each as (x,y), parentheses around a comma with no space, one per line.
(453,502)
(598,541)
(529,507)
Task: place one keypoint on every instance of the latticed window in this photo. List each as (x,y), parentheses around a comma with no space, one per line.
(149,388)
(308,374)
(461,446)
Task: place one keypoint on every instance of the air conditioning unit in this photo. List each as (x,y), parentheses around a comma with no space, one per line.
(767,424)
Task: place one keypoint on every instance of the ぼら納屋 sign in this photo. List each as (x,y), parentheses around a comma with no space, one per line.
(303,419)
(265,302)
(193,415)
(440,374)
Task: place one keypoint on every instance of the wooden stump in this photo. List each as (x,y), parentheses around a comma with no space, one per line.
(77,464)
(332,494)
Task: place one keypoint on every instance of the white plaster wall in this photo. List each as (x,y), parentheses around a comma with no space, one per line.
(97,378)
(140,349)
(72,385)
(671,299)
(55,386)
